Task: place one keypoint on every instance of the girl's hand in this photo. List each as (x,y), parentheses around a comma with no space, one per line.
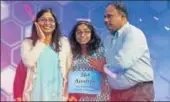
(72,99)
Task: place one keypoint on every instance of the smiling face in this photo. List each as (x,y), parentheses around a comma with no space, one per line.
(47,23)
(83,34)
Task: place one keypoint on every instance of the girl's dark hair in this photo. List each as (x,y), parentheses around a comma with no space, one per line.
(92,45)
(55,35)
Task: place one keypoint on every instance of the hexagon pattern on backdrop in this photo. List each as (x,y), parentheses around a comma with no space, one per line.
(9,29)
(151,16)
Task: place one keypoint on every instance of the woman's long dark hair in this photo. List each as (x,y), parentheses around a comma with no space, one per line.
(92,45)
(55,35)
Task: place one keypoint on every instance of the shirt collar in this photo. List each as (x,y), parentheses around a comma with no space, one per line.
(118,32)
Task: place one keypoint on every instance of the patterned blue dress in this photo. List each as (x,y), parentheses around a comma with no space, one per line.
(80,64)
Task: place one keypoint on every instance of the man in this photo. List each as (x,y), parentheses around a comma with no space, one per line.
(127,64)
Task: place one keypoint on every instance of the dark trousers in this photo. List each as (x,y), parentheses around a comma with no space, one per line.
(141,92)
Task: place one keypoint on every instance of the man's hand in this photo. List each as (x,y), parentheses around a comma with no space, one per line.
(97,64)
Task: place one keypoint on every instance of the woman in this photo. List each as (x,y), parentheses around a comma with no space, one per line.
(85,43)
(47,56)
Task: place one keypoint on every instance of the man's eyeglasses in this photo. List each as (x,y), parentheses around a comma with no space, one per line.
(44,20)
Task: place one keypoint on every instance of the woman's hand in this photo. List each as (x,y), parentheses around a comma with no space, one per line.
(18,99)
(40,33)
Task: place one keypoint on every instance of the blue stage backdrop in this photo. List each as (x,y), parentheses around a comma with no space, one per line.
(153,17)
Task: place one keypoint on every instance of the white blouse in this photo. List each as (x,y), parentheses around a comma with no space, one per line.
(30,55)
